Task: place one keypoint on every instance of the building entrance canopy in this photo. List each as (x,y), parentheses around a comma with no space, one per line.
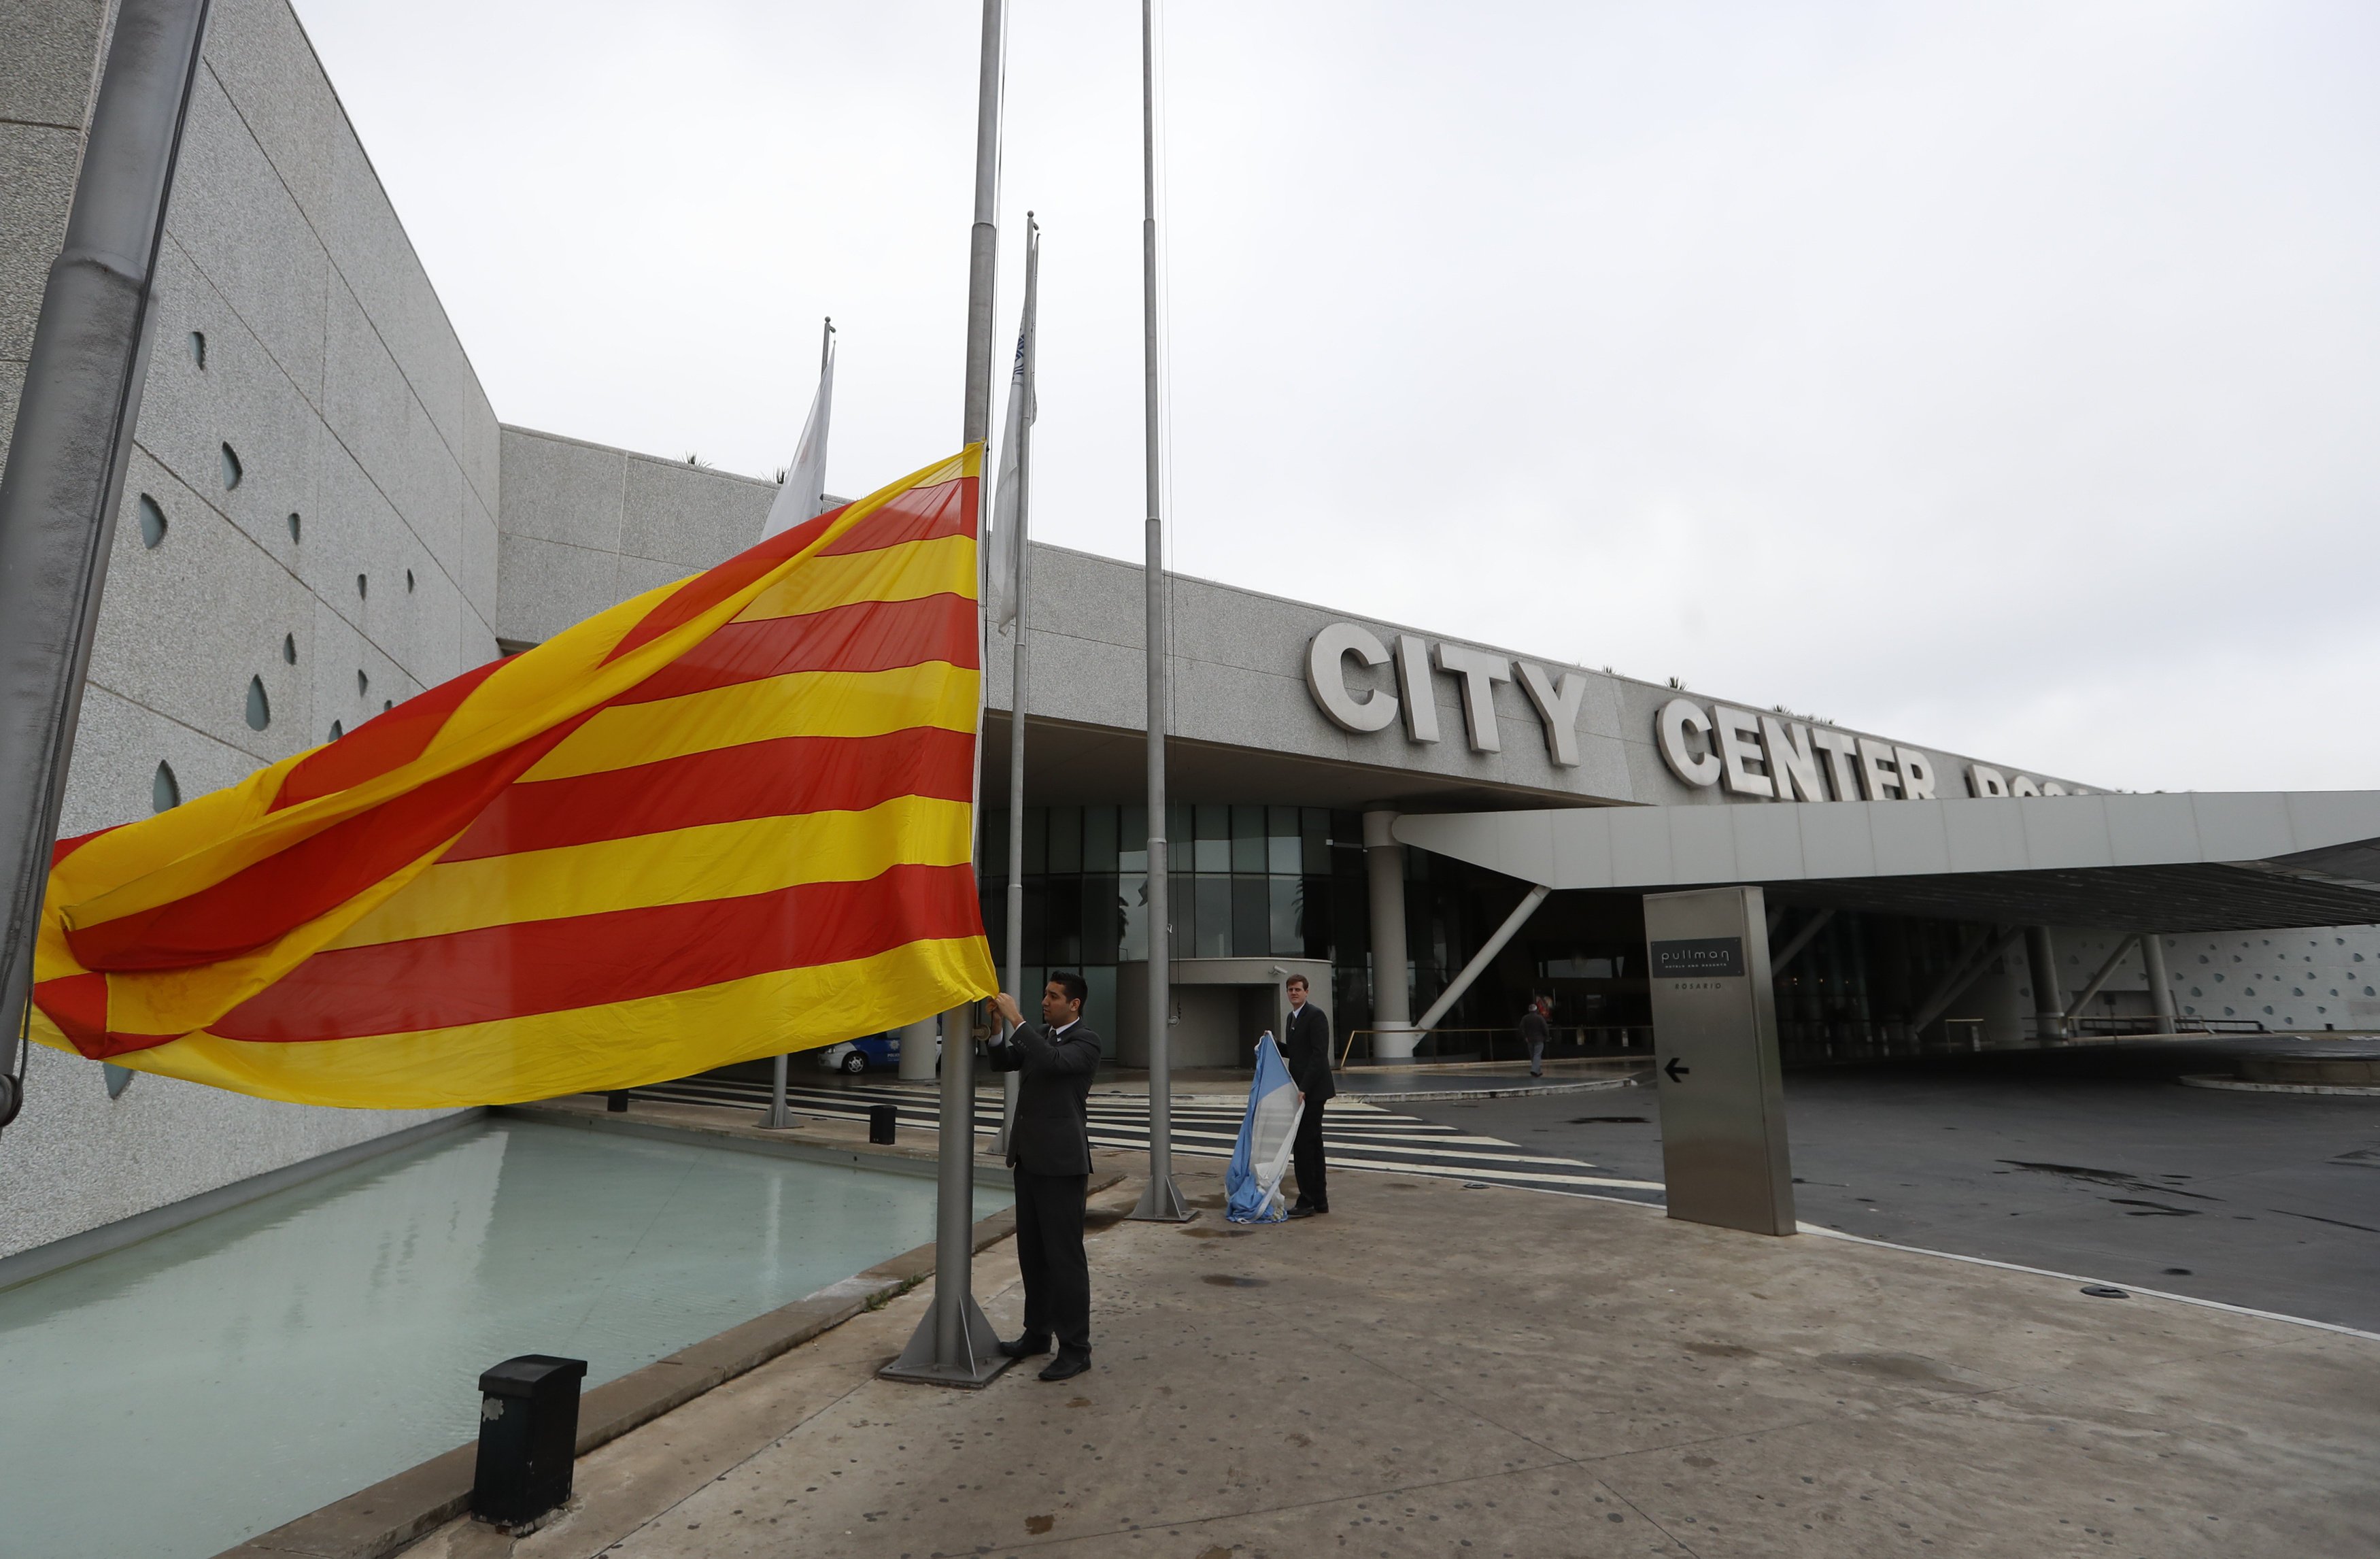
(2190,861)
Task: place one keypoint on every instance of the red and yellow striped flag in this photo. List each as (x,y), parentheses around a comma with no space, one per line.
(730,817)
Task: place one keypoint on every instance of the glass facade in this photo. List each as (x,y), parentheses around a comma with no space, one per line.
(1248,880)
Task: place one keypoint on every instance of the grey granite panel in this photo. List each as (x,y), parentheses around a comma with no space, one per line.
(544,587)
(370,406)
(482,451)
(118,744)
(683,514)
(1086,597)
(237,224)
(351,530)
(241,398)
(1244,708)
(37,175)
(51,62)
(1078,679)
(262,61)
(184,627)
(638,575)
(560,490)
(476,545)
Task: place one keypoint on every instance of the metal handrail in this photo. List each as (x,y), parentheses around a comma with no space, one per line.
(1628,1032)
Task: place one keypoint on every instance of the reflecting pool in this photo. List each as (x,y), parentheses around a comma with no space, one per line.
(175,1397)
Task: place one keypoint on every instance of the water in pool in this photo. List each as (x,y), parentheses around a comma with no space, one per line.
(177,1397)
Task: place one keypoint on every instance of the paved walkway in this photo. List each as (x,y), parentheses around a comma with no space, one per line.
(1434,1370)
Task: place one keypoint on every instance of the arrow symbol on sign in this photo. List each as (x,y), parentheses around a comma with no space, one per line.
(1677,1071)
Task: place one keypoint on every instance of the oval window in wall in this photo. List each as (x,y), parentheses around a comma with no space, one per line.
(293,526)
(152,523)
(339,729)
(165,793)
(231,468)
(259,709)
(199,347)
(408,582)
(363,685)
(289,648)
(364,587)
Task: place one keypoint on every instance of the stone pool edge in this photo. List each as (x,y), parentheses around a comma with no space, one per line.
(379,1520)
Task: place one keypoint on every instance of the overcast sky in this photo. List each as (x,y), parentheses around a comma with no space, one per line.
(2000,376)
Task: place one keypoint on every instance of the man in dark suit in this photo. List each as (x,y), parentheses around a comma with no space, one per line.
(1307,1051)
(1050,1155)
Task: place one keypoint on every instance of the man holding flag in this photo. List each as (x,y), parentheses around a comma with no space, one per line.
(1049,1154)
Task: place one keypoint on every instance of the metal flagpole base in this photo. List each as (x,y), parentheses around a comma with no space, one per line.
(981,1358)
(1162,1203)
(776,1118)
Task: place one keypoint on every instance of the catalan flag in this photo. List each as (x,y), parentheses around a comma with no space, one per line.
(730,817)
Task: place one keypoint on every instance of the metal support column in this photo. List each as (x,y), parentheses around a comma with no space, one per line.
(2106,970)
(1384,864)
(2160,985)
(955,1344)
(65,479)
(1161,1201)
(1481,959)
(2041,956)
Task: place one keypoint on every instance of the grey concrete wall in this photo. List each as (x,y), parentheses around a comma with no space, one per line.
(49,60)
(332,371)
(586,527)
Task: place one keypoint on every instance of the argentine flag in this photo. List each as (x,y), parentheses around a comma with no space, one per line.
(1262,1156)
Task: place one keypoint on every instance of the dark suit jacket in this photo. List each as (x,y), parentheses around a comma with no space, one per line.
(1052,1132)
(1307,1047)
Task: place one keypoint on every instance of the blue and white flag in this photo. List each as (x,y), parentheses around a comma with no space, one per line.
(1266,1132)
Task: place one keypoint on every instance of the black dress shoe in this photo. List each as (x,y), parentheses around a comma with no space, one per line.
(1303,1211)
(1027,1347)
(1067,1365)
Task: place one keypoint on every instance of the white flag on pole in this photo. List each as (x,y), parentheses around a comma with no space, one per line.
(1007,518)
(804,491)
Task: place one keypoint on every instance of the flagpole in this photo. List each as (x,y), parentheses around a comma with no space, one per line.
(1011,1083)
(955,1344)
(1161,1201)
(780,1116)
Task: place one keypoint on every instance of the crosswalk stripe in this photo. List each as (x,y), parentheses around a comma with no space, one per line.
(1358,1136)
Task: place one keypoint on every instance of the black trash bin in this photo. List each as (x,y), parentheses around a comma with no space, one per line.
(529,1433)
(880,1122)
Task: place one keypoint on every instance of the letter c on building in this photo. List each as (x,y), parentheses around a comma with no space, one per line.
(1325,678)
(1678,718)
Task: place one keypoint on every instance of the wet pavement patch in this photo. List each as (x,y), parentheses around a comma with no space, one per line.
(2116,1177)
(2152,1209)
(1226,1280)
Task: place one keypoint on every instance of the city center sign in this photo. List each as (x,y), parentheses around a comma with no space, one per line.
(1749,756)
(1375,709)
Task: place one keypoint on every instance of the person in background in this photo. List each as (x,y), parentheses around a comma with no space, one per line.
(1050,1156)
(1307,1050)
(1536,1032)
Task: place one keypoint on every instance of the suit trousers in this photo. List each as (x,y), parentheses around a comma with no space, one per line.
(1050,1254)
(1305,1151)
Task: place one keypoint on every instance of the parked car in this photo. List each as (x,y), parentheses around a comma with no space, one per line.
(869,1052)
